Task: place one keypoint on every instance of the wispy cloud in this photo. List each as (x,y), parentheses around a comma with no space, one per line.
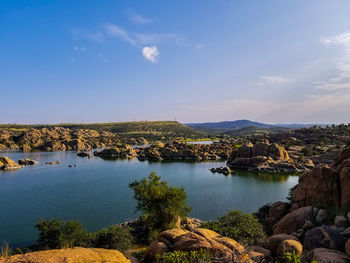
(137,18)
(77,48)
(341,79)
(119,32)
(274,80)
(141,39)
(86,35)
(151,53)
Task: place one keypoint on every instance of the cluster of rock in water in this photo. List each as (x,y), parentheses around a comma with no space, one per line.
(300,227)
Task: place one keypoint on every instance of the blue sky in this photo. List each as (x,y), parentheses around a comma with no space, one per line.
(102,61)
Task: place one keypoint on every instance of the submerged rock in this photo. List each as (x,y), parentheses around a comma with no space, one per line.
(27,162)
(56,162)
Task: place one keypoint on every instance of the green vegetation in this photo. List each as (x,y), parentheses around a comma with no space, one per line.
(184,257)
(113,237)
(55,234)
(150,130)
(294,258)
(244,228)
(59,234)
(5,251)
(161,205)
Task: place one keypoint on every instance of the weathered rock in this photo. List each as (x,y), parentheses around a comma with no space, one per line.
(341,221)
(321,217)
(27,162)
(278,209)
(272,243)
(259,254)
(295,220)
(324,255)
(8,164)
(323,237)
(222,248)
(325,185)
(71,255)
(289,246)
(347,247)
(55,162)
(84,154)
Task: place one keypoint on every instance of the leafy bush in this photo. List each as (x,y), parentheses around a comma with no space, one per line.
(113,237)
(307,151)
(59,234)
(244,228)
(184,257)
(160,204)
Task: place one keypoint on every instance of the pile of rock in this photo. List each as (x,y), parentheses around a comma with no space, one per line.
(121,152)
(327,185)
(8,164)
(27,162)
(221,170)
(221,249)
(55,139)
(185,151)
(265,157)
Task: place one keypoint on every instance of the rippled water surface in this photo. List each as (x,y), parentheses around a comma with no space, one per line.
(96,191)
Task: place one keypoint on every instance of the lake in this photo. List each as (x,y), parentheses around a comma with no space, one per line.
(96,191)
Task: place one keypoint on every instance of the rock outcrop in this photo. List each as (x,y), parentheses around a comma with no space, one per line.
(27,162)
(8,164)
(55,139)
(220,248)
(185,151)
(265,157)
(71,255)
(325,185)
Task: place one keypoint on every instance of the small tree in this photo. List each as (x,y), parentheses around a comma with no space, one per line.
(160,204)
(59,234)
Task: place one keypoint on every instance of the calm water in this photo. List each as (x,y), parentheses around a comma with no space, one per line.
(96,191)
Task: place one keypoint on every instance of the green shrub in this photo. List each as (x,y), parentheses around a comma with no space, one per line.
(59,234)
(307,151)
(244,228)
(5,251)
(113,237)
(184,257)
(161,205)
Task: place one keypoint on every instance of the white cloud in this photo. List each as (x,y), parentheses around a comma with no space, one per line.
(137,18)
(141,39)
(199,46)
(77,48)
(274,80)
(151,53)
(116,31)
(341,79)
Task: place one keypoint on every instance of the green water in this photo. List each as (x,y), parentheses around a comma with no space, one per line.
(96,191)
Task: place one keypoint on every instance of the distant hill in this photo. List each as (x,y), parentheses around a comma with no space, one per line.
(151,130)
(246,127)
(229,125)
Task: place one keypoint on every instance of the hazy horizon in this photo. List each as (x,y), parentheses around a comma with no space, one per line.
(114,61)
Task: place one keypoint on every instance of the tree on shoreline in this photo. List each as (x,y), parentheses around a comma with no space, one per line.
(161,205)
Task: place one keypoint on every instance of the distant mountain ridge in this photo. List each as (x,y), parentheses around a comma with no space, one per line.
(242,127)
(229,125)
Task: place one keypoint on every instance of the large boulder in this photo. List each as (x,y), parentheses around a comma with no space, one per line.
(324,255)
(272,242)
(71,255)
(8,164)
(219,247)
(327,185)
(295,220)
(289,246)
(323,237)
